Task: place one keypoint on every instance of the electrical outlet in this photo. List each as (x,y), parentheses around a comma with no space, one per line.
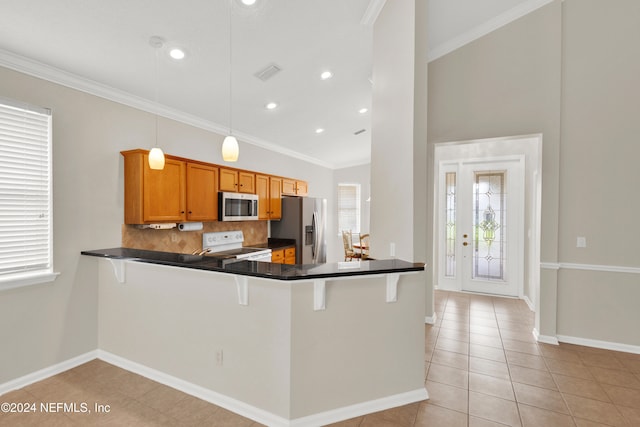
(174,237)
(581,242)
(219,358)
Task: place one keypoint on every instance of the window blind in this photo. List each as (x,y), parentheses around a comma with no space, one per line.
(349,208)
(25,188)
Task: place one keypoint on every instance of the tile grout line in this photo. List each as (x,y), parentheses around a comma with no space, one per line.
(469,366)
(515,396)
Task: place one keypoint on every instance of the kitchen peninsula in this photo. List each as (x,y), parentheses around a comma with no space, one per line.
(285,345)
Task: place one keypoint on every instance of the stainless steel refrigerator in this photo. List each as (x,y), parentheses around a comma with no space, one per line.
(305,220)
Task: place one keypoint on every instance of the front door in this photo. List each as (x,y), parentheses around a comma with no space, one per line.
(481,225)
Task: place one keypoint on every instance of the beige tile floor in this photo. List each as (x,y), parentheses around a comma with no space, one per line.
(483,368)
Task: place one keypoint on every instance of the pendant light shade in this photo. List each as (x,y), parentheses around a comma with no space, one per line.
(156,158)
(230,149)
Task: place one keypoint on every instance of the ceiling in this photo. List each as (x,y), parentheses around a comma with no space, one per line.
(103,47)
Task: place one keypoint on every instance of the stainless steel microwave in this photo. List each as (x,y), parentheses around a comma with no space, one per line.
(237,206)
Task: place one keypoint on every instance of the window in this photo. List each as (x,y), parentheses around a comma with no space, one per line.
(25,195)
(349,207)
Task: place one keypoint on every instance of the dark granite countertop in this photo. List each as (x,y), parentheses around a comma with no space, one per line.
(260,269)
(276,244)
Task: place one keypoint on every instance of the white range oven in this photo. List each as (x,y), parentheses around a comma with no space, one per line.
(227,245)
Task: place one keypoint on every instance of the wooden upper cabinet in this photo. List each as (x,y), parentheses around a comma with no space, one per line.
(262,190)
(187,190)
(302,189)
(275,197)
(292,187)
(182,191)
(202,192)
(228,180)
(288,187)
(153,195)
(268,189)
(247,182)
(237,181)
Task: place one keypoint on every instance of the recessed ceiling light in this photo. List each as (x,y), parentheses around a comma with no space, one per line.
(326,75)
(271,106)
(319,130)
(248,2)
(363,110)
(177,53)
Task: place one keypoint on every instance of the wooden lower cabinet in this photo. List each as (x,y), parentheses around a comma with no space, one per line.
(277,256)
(290,256)
(284,256)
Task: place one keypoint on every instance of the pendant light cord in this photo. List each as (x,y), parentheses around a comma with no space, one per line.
(157,91)
(230,72)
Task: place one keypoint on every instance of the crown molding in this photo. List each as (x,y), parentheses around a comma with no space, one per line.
(485,28)
(55,75)
(372,12)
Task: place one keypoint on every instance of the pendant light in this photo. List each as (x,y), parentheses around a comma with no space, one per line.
(230,149)
(156,156)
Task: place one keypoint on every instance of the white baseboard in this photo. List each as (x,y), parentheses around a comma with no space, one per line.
(357,410)
(607,345)
(547,339)
(431,320)
(257,414)
(529,303)
(210,396)
(45,373)
(233,405)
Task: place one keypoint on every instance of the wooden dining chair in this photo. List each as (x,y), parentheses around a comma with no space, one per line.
(347,241)
(364,246)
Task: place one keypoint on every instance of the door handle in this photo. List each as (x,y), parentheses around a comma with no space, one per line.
(465,243)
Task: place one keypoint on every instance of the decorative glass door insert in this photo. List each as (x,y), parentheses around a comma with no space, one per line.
(489,225)
(450,225)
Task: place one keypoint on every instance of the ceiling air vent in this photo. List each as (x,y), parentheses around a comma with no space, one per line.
(358,132)
(268,72)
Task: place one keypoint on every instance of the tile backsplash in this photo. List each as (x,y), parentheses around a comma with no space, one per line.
(174,240)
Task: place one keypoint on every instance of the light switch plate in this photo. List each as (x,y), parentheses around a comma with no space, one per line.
(581,242)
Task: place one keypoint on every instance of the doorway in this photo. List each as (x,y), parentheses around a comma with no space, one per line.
(487,216)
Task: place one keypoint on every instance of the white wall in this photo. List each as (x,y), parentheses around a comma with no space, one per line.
(569,71)
(46,324)
(392,138)
(400,180)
